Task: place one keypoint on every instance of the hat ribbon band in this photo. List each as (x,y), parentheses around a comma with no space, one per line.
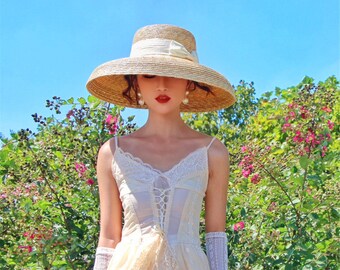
(158,46)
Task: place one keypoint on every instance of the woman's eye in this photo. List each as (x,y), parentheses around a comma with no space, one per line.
(149,76)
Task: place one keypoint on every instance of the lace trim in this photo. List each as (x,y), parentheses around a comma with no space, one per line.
(145,164)
(214,235)
(104,250)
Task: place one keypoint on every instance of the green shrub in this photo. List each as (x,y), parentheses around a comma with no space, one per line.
(283,210)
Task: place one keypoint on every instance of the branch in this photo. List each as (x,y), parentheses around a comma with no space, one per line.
(283,190)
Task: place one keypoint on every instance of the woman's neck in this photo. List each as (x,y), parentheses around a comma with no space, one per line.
(164,125)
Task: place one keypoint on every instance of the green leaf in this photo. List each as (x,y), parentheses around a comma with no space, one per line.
(59,154)
(82,101)
(130,118)
(70,100)
(92,99)
(298,180)
(87,129)
(296,200)
(304,161)
(43,205)
(243,212)
(294,169)
(335,214)
(95,104)
(314,216)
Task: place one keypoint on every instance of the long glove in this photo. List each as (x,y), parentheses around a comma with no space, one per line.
(103,256)
(217,250)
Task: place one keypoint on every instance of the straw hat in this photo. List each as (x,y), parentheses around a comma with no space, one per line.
(162,50)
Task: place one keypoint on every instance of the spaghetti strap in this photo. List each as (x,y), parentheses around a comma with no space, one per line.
(116,142)
(213,139)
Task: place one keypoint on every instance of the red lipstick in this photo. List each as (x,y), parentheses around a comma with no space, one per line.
(163,98)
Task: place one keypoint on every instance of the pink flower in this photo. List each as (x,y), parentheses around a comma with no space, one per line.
(113,130)
(310,137)
(290,105)
(298,137)
(3,195)
(244,149)
(109,119)
(112,122)
(326,109)
(238,226)
(255,179)
(81,169)
(301,152)
(292,114)
(29,248)
(272,206)
(69,114)
(328,136)
(285,127)
(303,112)
(246,173)
(324,150)
(90,182)
(330,125)
(29,235)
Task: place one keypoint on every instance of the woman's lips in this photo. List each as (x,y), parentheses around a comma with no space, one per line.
(163,98)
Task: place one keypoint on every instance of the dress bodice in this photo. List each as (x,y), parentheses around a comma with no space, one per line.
(165,204)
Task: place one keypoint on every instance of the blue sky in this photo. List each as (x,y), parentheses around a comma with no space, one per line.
(49,48)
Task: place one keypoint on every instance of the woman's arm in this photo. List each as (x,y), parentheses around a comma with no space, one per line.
(110,204)
(110,208)
(215,206)
(217,190)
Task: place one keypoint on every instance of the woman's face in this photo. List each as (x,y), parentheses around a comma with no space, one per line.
(162,93)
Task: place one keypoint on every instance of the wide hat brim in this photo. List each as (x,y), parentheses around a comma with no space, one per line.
(107,81)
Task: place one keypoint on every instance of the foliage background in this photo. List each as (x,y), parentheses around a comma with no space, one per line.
(283,210)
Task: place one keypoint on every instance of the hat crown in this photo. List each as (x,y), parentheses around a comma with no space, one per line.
(165,31)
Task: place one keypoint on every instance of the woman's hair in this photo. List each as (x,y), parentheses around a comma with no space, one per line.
(132,88)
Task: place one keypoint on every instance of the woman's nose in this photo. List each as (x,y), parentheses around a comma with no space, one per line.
(162,83)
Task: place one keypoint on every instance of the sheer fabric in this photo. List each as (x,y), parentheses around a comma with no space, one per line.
(161,213)
(103,257)
(216,244)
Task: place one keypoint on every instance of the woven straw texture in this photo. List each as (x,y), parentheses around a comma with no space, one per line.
(107,81)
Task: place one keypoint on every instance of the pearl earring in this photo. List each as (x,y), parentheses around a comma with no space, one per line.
(186,100)
(140,99)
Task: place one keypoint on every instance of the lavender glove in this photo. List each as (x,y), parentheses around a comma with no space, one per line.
(217,250)
(103,257)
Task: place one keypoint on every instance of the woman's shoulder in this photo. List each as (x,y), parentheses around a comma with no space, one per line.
(108,148)
(215,145)
(217,149)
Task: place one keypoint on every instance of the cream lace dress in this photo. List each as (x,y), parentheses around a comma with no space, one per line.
(161,213)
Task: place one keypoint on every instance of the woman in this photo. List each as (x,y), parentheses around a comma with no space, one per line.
(154,180)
